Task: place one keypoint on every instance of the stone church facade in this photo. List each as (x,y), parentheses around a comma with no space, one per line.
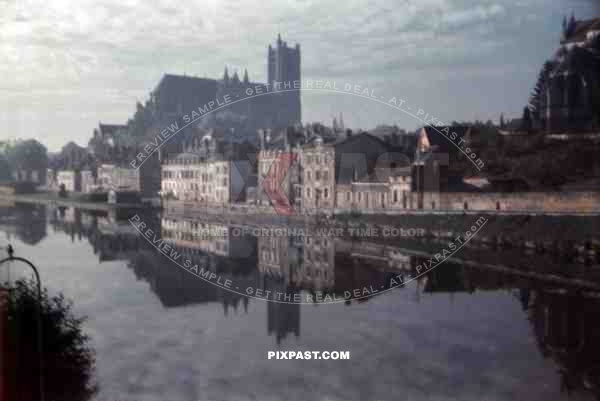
(572,87)
(176,96)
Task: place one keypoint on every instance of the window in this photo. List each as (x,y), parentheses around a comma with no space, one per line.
(395,195)
(326,175)
(308,176)
(308,192)
(347,196)
(360,196)
(326,193)
(317,175)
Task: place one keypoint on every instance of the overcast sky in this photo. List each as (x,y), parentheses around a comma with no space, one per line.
(68,64)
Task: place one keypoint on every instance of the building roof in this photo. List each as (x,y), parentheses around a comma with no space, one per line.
(440,138)
(173,85)
(110,129)
(382,175)
(579,33)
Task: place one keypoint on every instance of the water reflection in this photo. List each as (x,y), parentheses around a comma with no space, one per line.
(563,318)
(567,330)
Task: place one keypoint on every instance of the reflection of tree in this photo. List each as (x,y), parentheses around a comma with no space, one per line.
(31,223)
(68,360)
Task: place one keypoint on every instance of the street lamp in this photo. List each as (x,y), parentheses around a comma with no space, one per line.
(12,258)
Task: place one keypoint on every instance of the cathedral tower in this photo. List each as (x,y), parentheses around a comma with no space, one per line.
(283,70)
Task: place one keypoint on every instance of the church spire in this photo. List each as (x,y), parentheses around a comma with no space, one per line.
(226,76)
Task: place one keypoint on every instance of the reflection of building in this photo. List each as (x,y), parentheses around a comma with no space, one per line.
(317,270)
(213,238)
(567,329)
(282,318)
(273,257)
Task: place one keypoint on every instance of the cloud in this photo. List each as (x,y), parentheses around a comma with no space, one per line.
(94,58)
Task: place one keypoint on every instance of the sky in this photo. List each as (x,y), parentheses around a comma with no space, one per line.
(69,64)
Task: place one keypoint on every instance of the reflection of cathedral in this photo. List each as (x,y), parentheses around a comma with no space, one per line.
(282,318)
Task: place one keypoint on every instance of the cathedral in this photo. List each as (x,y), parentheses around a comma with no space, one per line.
(570,81)
(177,95)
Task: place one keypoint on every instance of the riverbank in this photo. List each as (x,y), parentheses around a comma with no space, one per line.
(73,200)
(81,201)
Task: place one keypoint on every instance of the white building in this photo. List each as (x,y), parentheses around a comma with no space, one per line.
(188,177)
(118,178)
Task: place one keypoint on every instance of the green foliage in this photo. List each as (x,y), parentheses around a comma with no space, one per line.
(28,155)
(539,91)
(5,169)
(526,119)
(68,360)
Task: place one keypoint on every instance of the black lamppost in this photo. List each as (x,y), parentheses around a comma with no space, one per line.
(12,258)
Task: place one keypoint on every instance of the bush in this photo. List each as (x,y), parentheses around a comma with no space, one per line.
(68,361)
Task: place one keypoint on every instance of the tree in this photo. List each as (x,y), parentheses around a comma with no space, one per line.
(536,100)
(67,359)
(502,122)
(526,119)
(5,169)
(28,156)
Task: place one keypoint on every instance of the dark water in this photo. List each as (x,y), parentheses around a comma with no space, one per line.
(460,332)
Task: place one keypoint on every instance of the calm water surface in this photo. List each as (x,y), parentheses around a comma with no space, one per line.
(161,334)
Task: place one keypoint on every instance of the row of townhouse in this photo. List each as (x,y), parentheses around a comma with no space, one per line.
(190,178)
(358,172)
(355,172)
(107,177)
